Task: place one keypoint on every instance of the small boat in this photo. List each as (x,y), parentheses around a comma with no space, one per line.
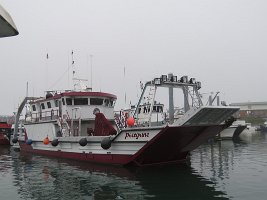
(5,131)
(263,128)
(249,131)
(81,124)
(233,131)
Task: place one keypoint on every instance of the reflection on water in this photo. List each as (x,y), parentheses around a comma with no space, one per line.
(222,170)
(239,168)
(36,177)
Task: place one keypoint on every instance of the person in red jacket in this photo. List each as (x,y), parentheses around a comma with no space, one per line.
(103,127)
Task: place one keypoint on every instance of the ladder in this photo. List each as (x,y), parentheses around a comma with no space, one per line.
(120,120)
(64,127)
(150,101)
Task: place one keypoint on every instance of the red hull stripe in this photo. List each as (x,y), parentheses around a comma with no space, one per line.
(97,158)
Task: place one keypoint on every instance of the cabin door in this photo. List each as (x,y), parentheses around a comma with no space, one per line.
(60,108)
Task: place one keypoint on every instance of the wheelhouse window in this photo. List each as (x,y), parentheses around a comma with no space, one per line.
(112,103)
(106,102)
(63,101)
(96,101)
(81,101)
(33,108)
(48,104)
(157,109)
(56,103)
(69,101)
(42,106)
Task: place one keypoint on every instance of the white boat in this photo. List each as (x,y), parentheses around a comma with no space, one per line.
(233,131)
(81,125)
(249,131)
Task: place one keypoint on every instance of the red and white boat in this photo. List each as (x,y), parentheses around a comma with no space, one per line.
(81,125)
(5,131)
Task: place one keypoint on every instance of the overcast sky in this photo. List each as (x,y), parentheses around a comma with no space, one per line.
(221,43)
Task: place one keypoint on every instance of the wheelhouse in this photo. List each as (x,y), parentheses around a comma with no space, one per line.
(76,109)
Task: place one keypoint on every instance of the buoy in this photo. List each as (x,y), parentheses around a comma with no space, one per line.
(46,141)
(15,140)
(29,141)
(55,142)
(130,121)
(83,142)
(106,143)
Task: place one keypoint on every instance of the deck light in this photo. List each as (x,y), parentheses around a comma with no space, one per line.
(174,79)
(164,78)
(157,81)
(184,79)
(192,80)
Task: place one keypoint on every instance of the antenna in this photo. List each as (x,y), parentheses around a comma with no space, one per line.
(124,87)
(91,63)
(73,69)
(46,71)
(27,89)
(76,80)
(68,72)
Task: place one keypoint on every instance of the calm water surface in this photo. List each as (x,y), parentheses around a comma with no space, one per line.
(221,170)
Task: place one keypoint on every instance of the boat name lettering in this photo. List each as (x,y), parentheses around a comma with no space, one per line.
(136,135)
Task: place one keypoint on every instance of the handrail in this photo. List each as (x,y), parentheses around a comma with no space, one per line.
(44,116)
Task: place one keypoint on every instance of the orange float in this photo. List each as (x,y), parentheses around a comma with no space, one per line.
(130,121)
(46,141)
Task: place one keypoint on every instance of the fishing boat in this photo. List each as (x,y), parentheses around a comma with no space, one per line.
(5,131)
(81,124)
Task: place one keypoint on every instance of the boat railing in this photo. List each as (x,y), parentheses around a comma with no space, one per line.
(44,116)
(120,119)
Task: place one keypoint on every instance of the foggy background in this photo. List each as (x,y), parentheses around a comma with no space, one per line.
(221,43)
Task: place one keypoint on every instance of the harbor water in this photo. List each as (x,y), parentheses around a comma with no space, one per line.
(217,170)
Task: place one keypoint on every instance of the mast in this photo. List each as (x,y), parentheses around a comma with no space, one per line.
(171,104)
(73,69)
(46,72)
(124,87)
(27,88)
